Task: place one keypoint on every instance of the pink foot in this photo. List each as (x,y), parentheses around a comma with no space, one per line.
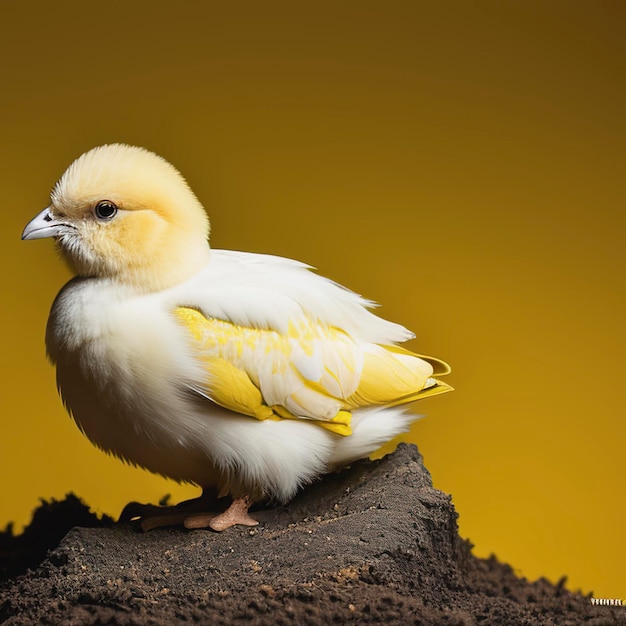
(150,516)
(236,513)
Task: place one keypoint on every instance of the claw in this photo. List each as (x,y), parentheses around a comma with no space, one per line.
(236,513)
(191,513)
(151,516)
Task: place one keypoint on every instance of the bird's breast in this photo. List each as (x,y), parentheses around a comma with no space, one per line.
(121,364)
(115,337)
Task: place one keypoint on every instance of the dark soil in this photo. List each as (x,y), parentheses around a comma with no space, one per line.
(374,544)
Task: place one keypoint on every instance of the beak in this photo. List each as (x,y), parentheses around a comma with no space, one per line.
(44,225)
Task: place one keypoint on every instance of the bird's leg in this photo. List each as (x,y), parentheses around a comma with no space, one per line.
(236,513)
(195,513)
(152,516)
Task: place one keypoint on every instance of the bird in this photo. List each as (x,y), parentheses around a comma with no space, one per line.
(249,375)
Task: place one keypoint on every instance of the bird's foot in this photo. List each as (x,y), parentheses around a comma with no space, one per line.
(190,513)
(151,516)
(236,513)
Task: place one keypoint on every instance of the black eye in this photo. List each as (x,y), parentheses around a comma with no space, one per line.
(105,210)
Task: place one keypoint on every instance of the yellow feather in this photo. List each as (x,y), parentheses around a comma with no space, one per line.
(393,376)
(440,368)
(340,424)
(232,387)
(390,375)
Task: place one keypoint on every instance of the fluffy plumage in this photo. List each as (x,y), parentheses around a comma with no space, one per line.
(244,372)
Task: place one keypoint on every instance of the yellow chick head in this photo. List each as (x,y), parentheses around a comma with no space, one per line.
(124,213)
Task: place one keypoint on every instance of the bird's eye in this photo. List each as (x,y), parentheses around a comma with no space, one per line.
(105,210)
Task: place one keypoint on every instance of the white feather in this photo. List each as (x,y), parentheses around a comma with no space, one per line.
(265,291)
(128,369)
(108,342)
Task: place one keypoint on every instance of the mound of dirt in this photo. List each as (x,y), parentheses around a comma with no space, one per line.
(374,544)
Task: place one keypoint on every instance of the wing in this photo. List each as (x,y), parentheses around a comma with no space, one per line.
(269,292)
(279,341)
(313,371)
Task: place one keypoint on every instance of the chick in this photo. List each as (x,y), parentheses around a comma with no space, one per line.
(246,374)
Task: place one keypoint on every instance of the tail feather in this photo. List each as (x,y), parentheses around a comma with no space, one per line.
(371,428)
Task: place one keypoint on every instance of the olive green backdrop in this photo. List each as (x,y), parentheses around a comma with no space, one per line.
(460,162)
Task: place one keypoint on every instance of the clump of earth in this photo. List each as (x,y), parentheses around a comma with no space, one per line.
(373,544)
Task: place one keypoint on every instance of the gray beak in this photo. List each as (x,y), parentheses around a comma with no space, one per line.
(44,225)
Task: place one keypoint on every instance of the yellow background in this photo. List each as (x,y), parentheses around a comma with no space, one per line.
(460,162)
